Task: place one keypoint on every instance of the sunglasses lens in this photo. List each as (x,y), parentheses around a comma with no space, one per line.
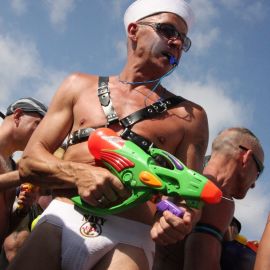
(186,44)
(168,31)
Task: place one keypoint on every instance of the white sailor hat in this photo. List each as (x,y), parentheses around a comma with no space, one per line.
(144,8)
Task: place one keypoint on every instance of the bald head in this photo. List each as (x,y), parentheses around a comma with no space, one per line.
(233,137)
(236,160)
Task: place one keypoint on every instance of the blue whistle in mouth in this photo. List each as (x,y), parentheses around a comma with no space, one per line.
(173,61)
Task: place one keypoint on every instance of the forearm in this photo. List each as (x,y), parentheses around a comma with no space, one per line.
(9,180)
(202,252)
(50,173)
(263,254)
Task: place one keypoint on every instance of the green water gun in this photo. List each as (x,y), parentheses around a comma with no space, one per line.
(146,174)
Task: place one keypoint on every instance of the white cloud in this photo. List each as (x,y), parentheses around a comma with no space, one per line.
(118,7)
(19,6)
(48,86)
(121,49)
(204,34)
(232,4)
(204,40)
(253,211)
(21,71)
(204,11)
(222,109)
(59,10)
(253,11)
(19,60)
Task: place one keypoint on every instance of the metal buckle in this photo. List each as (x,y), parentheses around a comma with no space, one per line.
(159,107)
(103,90)
(70,140)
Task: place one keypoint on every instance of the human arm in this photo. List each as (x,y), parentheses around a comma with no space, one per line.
(168,228)
(9,180)
(207,246)
(39,167)
(263,254)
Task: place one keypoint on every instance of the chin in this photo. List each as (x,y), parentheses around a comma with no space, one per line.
(240,196)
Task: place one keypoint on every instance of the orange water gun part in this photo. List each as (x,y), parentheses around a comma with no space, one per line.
(28,187)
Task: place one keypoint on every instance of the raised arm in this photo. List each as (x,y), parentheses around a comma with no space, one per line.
(263,254)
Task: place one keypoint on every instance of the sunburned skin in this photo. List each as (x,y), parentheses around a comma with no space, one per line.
(6,201)
(161,130)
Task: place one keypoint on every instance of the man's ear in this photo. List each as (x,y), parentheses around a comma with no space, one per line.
(246,156)
(132,30)
(17,114)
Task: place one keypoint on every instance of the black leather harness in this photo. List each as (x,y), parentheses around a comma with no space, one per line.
(127,122)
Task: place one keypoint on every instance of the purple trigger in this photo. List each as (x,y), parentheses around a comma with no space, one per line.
(167,205)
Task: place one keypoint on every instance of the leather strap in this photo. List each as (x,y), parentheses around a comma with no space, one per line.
(151,111)
(80,135)
(148,112)
(2,115)
(105,100)
(139,140)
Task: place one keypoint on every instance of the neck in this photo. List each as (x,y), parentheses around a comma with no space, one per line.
(221,172)
(138,82)
(137,72)
(7,147)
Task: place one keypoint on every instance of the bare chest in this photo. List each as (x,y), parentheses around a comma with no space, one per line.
(165,130)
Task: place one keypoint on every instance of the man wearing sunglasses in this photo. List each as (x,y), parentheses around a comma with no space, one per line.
(140,109)
(235,165)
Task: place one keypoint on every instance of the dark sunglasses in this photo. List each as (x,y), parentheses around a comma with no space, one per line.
(259,165)
(170,32)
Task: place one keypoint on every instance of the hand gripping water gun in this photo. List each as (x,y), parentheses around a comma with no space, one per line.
(146,174)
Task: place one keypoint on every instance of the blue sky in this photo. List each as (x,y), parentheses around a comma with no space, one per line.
(226,71)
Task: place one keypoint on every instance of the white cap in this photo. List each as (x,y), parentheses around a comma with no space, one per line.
(143,8)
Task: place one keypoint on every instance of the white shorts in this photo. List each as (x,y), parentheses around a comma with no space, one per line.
(85,240)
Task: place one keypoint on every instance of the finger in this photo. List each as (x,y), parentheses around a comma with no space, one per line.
(182,226)
(161,236)
(104,187)
(101,199)
(90,197)
(119,187)
(21,197)
(22,193)
(174,232)
(20,202)
(109,193)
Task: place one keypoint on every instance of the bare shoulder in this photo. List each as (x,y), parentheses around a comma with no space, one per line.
(198,122)
(193,144)
(70,90)
(76,81)
(194,112)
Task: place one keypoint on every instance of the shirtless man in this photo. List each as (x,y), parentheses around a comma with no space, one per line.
(20,121)
(235,165)
(156,32)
